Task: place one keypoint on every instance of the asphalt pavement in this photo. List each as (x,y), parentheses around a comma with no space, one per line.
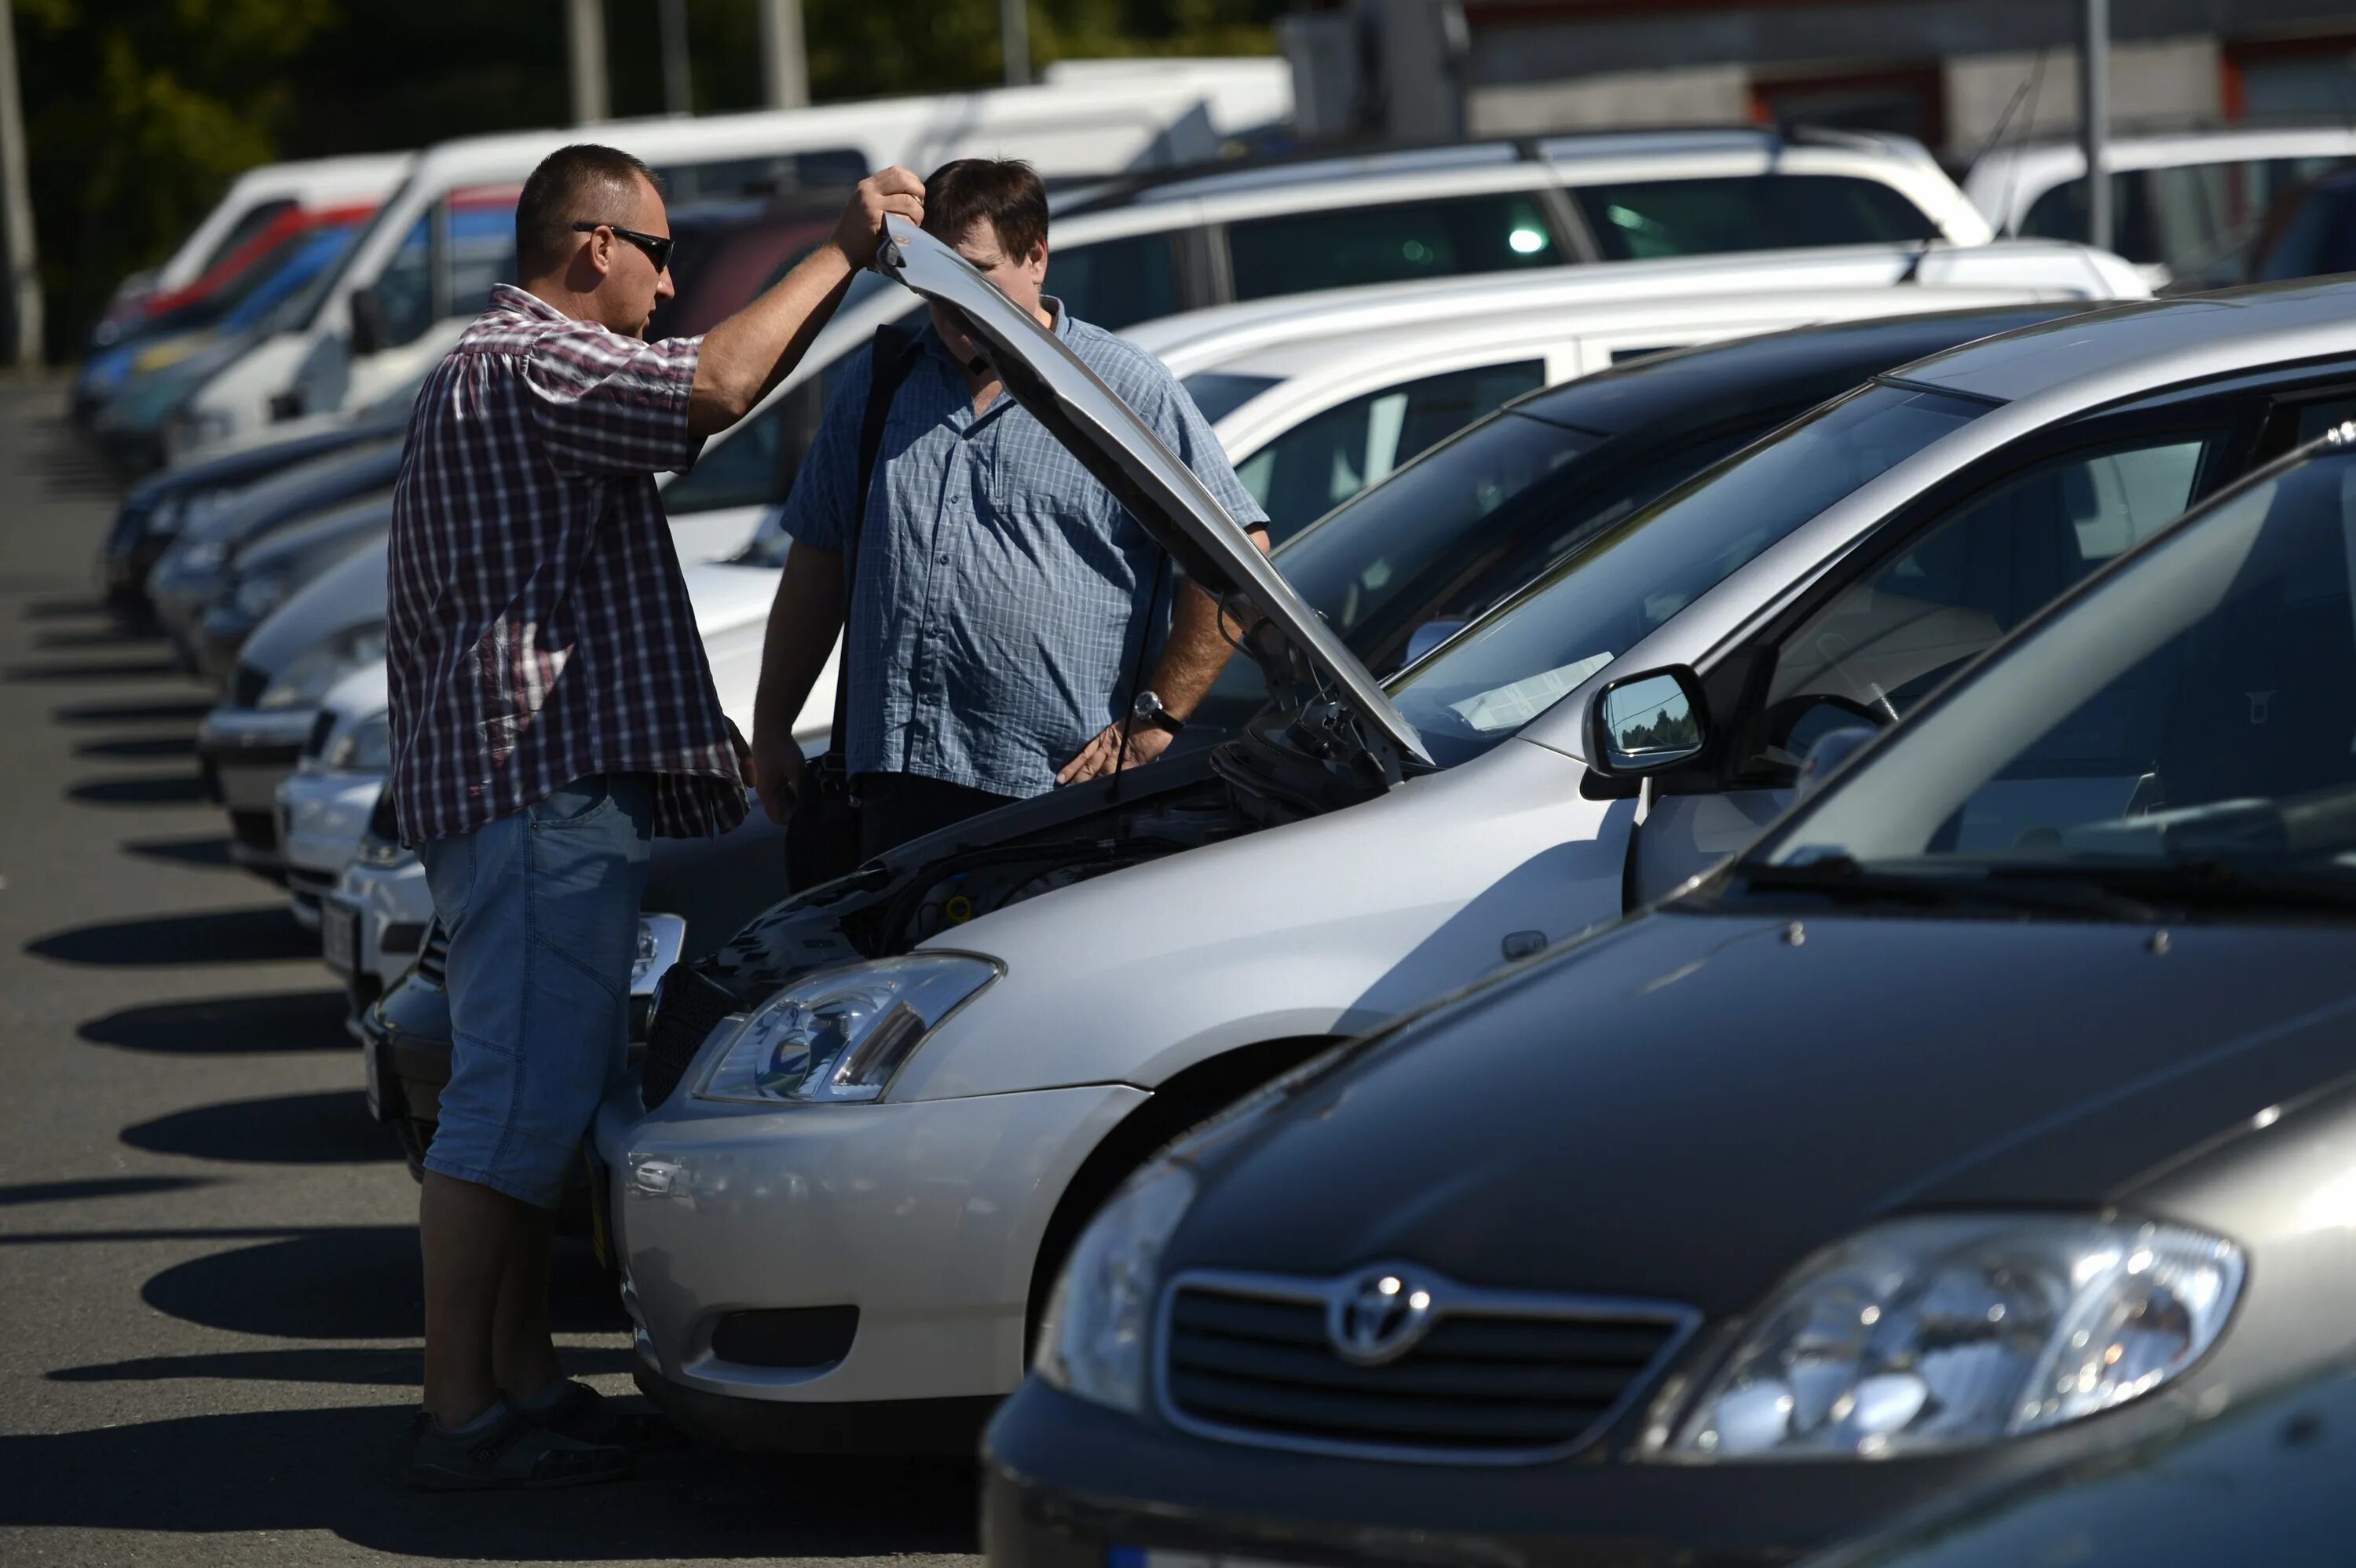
(209,1280)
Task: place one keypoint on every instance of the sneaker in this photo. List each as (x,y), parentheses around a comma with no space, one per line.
(508,1454)
(582,1413)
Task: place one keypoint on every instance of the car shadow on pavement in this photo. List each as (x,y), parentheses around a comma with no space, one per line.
(222,936)
(361,1366)
(93,669)
(209,850)
(170,789)
(337,1469)
(280,1021)
(130,712)
(139,748)
(97,1187)
(330,1127)
(351,1282)
(82,638)
(60,609)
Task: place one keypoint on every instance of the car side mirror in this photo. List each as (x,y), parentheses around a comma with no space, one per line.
(368,322)
(1648,723)
(1430,635)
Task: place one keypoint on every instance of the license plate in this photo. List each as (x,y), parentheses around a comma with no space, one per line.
(340,937)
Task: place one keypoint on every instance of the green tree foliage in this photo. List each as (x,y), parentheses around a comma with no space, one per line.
(140,111)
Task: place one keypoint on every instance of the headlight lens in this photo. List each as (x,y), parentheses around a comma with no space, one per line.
(840,1034)
(365,748)
(1954,1330)
(1099,1322)
(260,593)
(306,677)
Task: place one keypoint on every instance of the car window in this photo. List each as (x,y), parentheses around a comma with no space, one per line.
(2196,220)
(1515,661)
(2318,238)
(1880,645)
(1390,242)
(249,223)
(819,168)
(2195,705)
(1218,393)
(404,289)
(1115,283)
(482,252)
(1754,212)
(1331,456)
(740,471)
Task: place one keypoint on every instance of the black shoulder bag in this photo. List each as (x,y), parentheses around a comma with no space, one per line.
(822,835)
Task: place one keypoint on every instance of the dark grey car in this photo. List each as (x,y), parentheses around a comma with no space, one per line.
(1994,1112)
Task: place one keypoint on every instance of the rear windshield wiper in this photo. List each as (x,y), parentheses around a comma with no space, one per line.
(1843,877)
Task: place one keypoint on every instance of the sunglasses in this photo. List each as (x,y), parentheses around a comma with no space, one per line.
(658,246)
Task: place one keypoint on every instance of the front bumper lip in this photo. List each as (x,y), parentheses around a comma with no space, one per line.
(1066,1480)
(924,1215)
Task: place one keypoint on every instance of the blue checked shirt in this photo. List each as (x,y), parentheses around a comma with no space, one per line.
(1001,591)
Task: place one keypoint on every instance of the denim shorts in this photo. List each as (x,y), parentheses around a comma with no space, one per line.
(541,908)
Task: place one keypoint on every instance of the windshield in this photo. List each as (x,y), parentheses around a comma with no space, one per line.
(1218,393)
(303,312)
(2196,710)
(1631,577)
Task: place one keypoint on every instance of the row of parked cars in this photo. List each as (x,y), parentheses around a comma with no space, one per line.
(1748,957)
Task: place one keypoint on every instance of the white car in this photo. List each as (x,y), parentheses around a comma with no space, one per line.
(1316,396)
(403,276)
(838,1209)
(2184,207)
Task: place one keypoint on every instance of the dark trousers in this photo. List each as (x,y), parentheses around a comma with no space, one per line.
(895,807)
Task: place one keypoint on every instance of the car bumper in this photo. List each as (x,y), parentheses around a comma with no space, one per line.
(245,753)
(920,1221)
(390,905)
(1069,1484)
(322,818)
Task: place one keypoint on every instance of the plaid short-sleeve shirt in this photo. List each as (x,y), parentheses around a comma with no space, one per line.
(539,628)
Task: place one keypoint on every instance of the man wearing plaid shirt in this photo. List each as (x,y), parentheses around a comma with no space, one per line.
(551,711)
(1001,598)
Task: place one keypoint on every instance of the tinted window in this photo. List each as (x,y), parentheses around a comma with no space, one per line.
(1115,283)
(482,252)
(825,168)
(2197,706)
(2318,238)
(248,224)
(1754,212)
(404,289)
(1633,577)
(1331,456)
(1218,393)
(1885,642)
(1348,247)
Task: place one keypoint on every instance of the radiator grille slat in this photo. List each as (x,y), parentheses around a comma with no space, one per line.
(1496,1377)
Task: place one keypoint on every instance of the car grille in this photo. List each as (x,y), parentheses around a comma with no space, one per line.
(691,1007)
(246,687)
(1496,1377)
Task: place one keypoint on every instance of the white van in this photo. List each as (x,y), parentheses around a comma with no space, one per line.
(403,275)
(1318,397)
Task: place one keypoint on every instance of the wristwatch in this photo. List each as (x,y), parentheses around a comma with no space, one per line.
(1148,709)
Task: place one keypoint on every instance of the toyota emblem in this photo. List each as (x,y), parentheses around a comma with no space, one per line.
(1378,1316)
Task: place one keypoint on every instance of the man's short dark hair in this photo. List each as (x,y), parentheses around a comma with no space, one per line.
(1006,191)
(584,183)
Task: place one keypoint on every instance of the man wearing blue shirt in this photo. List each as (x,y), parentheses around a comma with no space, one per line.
(1000,598)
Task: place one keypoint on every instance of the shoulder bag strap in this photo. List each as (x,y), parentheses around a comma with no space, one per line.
(887,367)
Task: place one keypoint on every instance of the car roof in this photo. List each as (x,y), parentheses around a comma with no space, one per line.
(1222,334)
(2126,348)
(1630,397)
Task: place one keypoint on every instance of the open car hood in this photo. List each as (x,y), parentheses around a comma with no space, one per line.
(1089,419)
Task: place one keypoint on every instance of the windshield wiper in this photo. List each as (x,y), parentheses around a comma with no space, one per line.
(2205,882)
(1843,877)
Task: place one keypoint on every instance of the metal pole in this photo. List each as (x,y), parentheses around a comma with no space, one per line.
(679,87)
(585,42)
(1014,40)
(21,267)
(2094,117)
(784,63)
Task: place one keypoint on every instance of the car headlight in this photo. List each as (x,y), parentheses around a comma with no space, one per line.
(840,1034)
(1099,1321)
(365,748)
(1952,1330)
(308,676)
(259,594)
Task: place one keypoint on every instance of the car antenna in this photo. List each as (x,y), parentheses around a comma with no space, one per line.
(2029,89)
